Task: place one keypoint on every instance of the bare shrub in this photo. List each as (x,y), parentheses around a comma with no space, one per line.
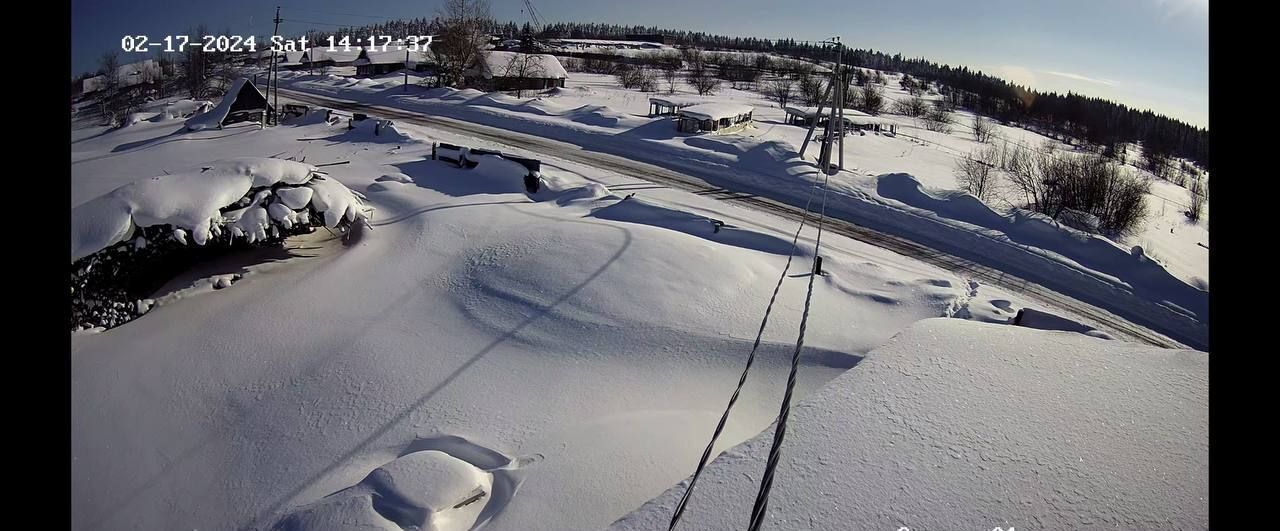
(1053,183)
(914,107)
(977,173)
(938,118)
(983,129)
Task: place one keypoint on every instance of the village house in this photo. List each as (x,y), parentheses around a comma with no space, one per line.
(321,57)
(374,61)
(516,71)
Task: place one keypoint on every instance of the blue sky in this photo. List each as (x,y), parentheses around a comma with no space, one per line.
(1144,53)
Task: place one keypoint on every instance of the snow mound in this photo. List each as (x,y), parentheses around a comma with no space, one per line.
(375,129)
(186,108)
(961,425)
(395,177)
(643,212)
(444,483)
(1036,230)
(602,116)
(433,486)
(193,201)
(1042,320)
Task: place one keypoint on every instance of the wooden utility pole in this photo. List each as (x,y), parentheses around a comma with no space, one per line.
(275,73)
(835,120)
(839,79)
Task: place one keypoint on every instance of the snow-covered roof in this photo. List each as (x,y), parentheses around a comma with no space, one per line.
(322,53)
(676,101)
(215,116)
(850,115)
(498,64)
(955,424)
(376,56)
(715,111)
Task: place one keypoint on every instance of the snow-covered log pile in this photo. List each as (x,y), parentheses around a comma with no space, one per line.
(128,242)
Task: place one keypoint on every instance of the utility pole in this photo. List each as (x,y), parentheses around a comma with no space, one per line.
(275,69)
(406,70)
(839,78)
(837,113)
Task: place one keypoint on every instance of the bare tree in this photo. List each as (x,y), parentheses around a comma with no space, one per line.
(523,67)
(108,92)
(872,101)
(670,64)
(636,77)
(1199,197)
(780,90)
(702,79)
(462,38)
(811,89)
(976,173)
(915,106)
(983,129)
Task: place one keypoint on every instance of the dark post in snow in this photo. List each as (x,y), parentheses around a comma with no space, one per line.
(406,70)
(275,71)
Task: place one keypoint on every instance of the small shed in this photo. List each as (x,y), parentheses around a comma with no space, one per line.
(670,105)
(718,118)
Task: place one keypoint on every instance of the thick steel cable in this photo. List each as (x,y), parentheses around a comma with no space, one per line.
(724,417)
(780,431)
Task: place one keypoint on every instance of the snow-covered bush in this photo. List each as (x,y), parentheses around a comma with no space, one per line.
(127,243)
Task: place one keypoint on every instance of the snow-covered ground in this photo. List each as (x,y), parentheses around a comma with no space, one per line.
(573,344)
(959,425)
(879,189)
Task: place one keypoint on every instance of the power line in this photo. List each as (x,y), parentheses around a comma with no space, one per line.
(784,413)
(319,12)
(724,417)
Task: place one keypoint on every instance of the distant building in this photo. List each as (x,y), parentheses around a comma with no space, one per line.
(652,37)
(718,118)
(320,57)
(516,71)
(375,61)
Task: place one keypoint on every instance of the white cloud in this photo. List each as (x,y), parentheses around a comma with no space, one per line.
(1079,77)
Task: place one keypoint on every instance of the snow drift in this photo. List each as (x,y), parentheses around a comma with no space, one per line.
(1051,430)
(1036,230)
(123,242)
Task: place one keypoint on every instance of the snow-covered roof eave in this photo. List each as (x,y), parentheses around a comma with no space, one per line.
(715,111)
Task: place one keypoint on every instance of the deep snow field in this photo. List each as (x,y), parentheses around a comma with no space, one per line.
(574,348)
(597,101)
(902,185)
